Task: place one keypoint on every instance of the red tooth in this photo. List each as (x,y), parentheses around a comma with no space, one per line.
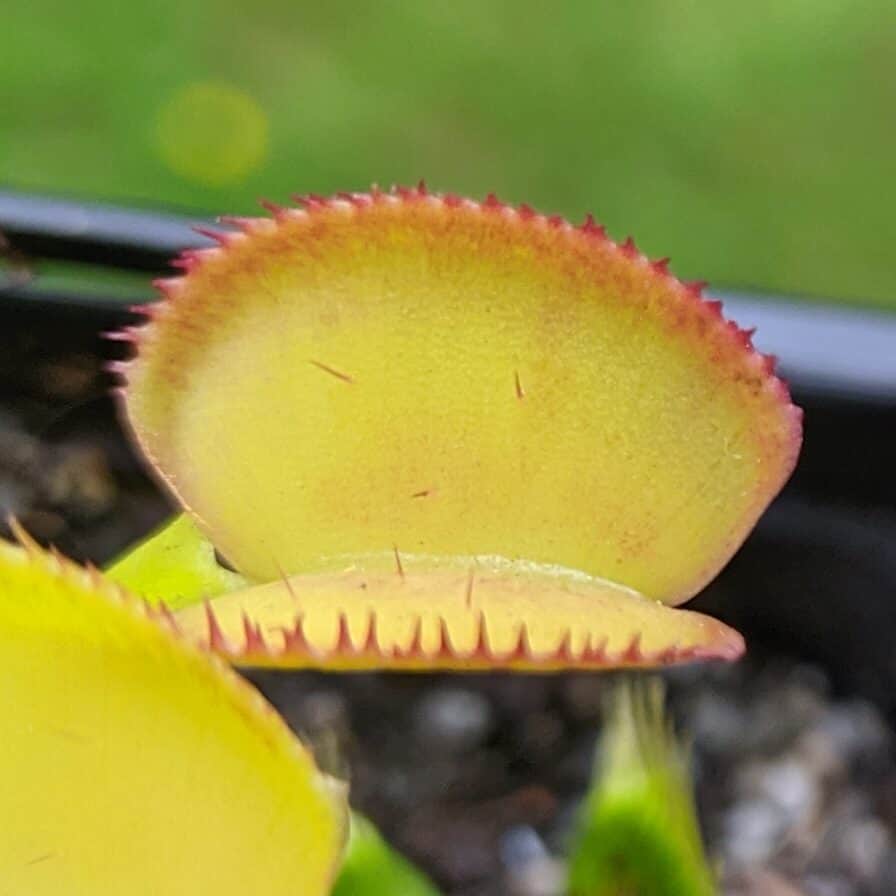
(446,650)
(526,212)
(592,227)
(164,612)
(145,309)
(206,254)
(633,653)
(344,643)
(371,647)
(190,259)
(714,306)
(415,647)
(357,199)
(168,286)
(483,647)
(769,363)
(492,202)
(661,265)
(241,223)
(593,654)
(186,261)
(255,642)
(310,201)
(294,640)
(555,221)
(117,368)
(278,211)
(452,200)
(628,248)
(216,639)
(410,193)
(522,650)
(563,651)
(125,334)
(219,236)
(695,287)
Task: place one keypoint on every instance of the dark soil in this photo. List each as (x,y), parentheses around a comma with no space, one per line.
(478,777)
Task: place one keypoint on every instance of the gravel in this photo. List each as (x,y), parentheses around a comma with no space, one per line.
(807,806)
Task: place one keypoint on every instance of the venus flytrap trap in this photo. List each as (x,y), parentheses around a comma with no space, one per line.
(427,432)
(431,432)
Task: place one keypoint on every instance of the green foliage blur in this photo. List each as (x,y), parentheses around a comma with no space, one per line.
(755,143)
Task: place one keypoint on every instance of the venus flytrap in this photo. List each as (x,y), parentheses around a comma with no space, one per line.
(430,432)
(427,432)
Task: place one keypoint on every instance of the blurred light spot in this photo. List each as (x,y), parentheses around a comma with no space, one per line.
(212,134)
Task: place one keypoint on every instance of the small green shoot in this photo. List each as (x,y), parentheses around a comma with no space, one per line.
(638,833)
(372,868)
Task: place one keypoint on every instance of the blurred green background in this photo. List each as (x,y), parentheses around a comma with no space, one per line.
(755,143)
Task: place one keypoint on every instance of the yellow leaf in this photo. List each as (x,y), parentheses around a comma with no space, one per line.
(456,379)
(134,764)
(451,615)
